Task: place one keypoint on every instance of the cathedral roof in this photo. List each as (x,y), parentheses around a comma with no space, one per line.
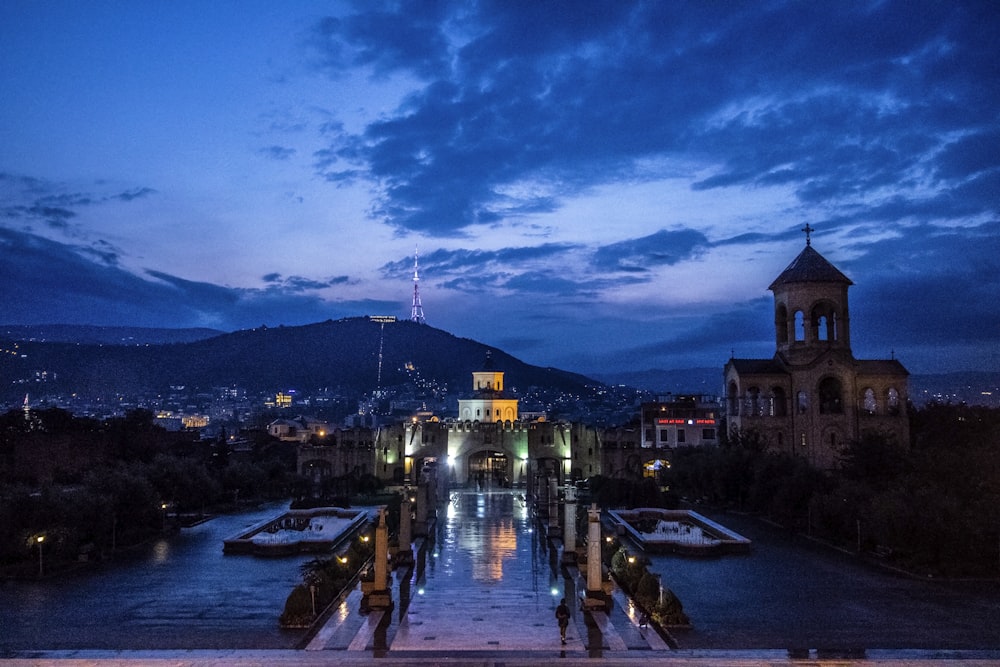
(756,366)
(881,367)
(810,267)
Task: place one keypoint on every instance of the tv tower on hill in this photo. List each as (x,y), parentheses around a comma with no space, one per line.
(417,311)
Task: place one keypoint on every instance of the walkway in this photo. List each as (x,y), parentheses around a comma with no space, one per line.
(488,582)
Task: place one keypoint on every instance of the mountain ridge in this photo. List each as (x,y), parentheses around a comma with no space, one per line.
(359,353)
(115,352)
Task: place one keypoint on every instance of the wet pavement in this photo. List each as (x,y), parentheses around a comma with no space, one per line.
(484,592)
(791,593)
(176,592)
(489,582)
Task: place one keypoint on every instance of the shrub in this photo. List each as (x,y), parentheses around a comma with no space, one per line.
(298,608)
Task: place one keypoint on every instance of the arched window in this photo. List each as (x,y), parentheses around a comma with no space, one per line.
(802,402)
(778,405)
(823,319)
(781,323)
(732,394)
(830,396)
(869,405)
(753,401)
(892,401)
(821,328)
(800,326)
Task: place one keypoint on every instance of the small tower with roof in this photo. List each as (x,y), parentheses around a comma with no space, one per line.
(810,307)
(489,403)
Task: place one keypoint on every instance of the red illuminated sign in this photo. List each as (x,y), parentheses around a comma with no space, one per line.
(682,422)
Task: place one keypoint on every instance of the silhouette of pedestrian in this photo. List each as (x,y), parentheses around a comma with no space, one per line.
(562,616)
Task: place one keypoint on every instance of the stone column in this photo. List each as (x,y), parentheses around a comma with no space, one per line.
(569,526)
(378,596)
(596,599)
(553,505)
(420,526)
(405,554)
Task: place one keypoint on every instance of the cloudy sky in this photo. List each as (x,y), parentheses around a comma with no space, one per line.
(597,186)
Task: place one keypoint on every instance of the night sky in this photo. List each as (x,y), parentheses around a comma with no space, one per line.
(596,186)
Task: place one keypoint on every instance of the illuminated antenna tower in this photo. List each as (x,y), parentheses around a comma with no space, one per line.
(417,311)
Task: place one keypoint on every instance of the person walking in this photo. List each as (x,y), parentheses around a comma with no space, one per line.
(562,617)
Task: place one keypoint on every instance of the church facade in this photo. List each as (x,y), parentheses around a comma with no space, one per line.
(813,397)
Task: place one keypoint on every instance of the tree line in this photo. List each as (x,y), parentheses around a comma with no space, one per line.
(107,485)
(931,506)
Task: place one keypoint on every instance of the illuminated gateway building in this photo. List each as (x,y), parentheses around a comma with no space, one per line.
(813,397)
(490,445)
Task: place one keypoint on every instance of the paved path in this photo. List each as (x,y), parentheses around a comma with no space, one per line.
(488,583)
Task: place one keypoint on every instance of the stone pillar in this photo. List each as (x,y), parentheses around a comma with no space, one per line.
(420,526)
(597,599)
(569,527)
(378,596)
(553,505)
(542,494)
(405,554)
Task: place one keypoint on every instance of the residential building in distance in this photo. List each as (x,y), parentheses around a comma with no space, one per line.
(679,421)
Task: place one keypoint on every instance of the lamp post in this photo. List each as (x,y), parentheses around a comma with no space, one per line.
(41,565)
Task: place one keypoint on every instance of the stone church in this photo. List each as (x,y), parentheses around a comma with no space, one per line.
(813,397)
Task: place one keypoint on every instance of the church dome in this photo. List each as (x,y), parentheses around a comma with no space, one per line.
(810,267)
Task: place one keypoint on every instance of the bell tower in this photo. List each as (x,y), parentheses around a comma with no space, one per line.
(813,396)
(810,307)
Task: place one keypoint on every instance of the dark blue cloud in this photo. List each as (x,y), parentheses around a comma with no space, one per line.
(276,152)
(30,199)
(68,286)
(640,255)
(834,100)
(135,193)
(938,287)
(296,284)
(404,37)
(443,262)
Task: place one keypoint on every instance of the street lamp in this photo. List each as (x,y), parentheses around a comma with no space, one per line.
(41,565)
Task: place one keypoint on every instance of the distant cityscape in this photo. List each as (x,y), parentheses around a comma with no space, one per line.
(608,404)
(235,408)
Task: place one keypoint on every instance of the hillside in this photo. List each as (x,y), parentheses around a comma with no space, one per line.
(342,353)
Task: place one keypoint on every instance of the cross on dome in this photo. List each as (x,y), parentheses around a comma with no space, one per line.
(808,230)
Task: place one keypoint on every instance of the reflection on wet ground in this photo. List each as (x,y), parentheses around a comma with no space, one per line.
(176,592)
(488,585)
(488,582)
